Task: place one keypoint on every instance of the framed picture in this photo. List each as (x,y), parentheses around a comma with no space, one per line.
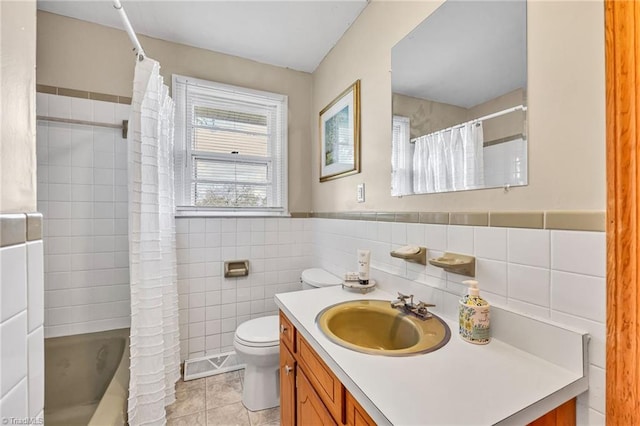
(340,135)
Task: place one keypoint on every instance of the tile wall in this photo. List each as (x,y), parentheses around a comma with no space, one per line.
(21,331)
(505,162)
(211,306)
(82,192)
(558,275)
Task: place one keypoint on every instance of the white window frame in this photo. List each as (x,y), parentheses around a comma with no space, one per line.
(184,156)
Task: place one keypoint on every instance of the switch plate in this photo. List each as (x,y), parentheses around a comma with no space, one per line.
(360,193)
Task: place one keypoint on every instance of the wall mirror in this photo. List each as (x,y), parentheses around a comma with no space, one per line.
(459,83)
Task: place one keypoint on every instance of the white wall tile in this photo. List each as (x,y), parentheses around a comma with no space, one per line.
(528,308)
(13,350)
(460,239)
(35,345)
(580,295)
(13,276)
(579,252)
(529,284)
(82,109)
(60,106)
(490,243)
(14,404)
(104,112)
(529,247)
(492,276)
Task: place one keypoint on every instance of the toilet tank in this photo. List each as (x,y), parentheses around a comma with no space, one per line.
(318,278)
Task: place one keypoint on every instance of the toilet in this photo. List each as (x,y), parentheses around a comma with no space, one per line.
(257,344)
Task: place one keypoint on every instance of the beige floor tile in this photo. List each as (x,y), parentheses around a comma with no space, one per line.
(188,401)
(229,415)
(197,419)
(270,417)
(223,389)
(191,384)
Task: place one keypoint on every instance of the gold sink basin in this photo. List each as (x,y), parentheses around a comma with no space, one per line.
(374,327)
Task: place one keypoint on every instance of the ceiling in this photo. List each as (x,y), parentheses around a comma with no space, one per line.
(295,34)
(464,54)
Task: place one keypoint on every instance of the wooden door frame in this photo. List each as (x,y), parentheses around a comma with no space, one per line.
(622,48)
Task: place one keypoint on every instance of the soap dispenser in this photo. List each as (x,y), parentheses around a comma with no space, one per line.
(474,315)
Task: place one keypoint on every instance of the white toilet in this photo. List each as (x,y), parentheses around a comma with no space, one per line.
(257,344)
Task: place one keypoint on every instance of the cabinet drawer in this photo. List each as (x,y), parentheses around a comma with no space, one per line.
(322,378)
(355,414)
(287,333)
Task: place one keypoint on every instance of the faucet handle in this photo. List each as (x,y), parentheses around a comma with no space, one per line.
(404,297)
(422,311)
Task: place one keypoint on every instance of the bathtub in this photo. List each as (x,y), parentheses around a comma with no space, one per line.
(87,379)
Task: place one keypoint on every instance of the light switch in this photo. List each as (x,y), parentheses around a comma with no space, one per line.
(360,193)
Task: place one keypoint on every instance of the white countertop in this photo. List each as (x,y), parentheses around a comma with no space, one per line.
(459,384)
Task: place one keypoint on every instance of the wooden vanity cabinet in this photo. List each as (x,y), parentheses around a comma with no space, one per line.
(310,394)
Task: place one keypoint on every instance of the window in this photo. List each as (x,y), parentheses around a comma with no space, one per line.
(230,148)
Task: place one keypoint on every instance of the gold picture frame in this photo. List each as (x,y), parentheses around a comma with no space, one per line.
(340,135)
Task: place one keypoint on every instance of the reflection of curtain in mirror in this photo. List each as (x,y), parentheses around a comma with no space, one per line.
(449,160)
(401,168)
(473,155)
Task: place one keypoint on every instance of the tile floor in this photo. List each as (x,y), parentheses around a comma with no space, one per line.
(216,401)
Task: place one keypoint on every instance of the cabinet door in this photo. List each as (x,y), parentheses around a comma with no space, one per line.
(310,410)
(326,384)
(287,387)
(355,414)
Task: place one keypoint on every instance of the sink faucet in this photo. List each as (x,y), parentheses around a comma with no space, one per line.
(419,310)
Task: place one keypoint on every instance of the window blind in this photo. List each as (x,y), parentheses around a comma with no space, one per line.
(231,147)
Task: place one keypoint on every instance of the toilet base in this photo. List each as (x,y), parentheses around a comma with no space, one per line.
(261,387)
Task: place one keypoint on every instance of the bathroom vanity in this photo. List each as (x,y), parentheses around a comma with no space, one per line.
(460,383)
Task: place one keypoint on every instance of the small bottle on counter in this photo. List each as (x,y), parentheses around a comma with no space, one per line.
(474,316)
(364,258)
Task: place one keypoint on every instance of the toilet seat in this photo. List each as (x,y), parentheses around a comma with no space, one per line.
(259,332)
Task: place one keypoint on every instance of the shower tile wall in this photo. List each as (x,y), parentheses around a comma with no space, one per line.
(211,306)
(82,194)
(559,275)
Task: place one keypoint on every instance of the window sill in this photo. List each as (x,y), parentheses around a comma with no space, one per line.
(191,212)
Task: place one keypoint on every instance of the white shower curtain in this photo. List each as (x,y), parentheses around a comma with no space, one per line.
(449,160)
(155,351)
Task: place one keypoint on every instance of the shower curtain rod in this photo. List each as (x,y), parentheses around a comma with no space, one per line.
(483,118)
(124,126)
(137,47)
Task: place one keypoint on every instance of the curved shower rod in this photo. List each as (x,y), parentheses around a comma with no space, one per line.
(137,47)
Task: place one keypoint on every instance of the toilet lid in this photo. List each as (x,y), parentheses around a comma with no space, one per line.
(259,332)
(319,278)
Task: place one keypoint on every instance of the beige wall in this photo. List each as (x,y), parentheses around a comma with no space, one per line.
(17,106)
(85,56)
(427,116)
(566,111)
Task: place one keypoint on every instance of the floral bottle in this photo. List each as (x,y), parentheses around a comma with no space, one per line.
(474,316)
